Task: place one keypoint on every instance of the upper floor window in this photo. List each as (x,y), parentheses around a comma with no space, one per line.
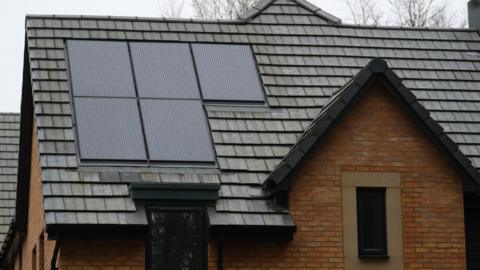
(177,239)
(371,222)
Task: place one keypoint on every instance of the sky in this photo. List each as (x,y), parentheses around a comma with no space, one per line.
(12,24)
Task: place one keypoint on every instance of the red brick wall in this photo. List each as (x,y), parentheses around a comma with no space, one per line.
(375,136)
(36,221)
(99,255)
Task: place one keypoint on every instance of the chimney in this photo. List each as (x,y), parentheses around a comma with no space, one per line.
(474,14)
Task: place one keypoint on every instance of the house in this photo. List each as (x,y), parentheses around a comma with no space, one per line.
(281,140)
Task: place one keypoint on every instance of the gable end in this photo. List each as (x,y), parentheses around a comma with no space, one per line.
(280,180)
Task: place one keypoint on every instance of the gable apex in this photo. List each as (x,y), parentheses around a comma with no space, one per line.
(281,178)
(264,4)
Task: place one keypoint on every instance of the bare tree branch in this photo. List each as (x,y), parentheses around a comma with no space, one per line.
(422,13)
(364,12)
(171,8)
(221,9)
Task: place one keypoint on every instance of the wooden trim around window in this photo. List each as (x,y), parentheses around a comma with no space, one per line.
(392,183)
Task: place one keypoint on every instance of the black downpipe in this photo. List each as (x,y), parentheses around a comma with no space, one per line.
(53,263)
(220,252)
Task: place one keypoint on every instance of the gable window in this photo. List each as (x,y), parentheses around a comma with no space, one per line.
(371,222)
(177,239)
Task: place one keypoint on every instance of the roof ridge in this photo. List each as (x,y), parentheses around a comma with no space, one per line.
(129,18)
(397,27)
(240,20)
(264,4)
(280,178)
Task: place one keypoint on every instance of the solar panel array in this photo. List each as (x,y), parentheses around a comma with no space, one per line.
(143,101)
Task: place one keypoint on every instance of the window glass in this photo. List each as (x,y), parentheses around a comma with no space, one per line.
(177,240)
(371,222)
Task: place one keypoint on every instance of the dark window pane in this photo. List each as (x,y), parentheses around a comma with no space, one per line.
(177,240)
(227,72)
(371,218)
(100,68)
(164,70)
(177,130)
(109,129)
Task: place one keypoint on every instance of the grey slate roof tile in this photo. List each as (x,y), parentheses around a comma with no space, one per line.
(9,133)
(303,59)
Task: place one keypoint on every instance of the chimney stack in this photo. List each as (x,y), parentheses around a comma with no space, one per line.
(474,14)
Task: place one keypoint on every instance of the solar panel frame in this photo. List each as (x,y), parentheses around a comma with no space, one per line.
(153,99)
(181,134)
(164,70)
(227,72)
(109,129)
(100,68)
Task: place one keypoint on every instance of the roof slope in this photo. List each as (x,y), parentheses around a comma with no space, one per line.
(376,71)
(302,62)
(9,134)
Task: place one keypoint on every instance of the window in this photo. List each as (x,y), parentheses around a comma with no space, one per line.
(370,200)
(177,239)
(371,222)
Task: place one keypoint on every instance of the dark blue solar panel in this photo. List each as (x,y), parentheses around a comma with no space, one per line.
(227,72)
(109,129)
(177,130)
(100,68)
(164,70)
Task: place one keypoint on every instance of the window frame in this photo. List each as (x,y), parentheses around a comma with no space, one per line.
(201,210)
(363,252)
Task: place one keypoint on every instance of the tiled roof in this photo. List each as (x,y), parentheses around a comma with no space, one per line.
(376,71)
(303,59)
(9,135)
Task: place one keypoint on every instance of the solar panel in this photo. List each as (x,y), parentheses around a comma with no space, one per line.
(164,70)
(176,130)
(109,129)
(227,72)
(100,68)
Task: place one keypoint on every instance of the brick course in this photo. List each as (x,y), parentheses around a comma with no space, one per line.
(102,255)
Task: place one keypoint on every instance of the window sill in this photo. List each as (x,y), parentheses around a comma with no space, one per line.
(373,257)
